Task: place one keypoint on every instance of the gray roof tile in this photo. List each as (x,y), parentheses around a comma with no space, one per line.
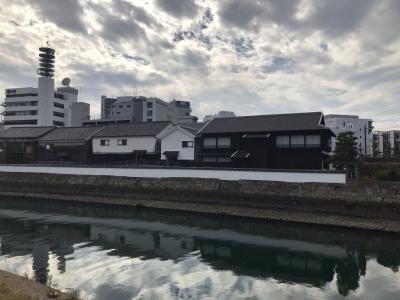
(134,129)
(71,134)
(25,132)
(262,123)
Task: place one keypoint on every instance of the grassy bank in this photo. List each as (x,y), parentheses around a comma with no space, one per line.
(14,287)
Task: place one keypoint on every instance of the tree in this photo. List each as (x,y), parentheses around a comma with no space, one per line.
(345,154)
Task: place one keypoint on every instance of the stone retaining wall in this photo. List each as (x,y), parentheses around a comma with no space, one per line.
(375,202)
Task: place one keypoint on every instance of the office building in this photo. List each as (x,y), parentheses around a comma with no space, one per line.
(41,106)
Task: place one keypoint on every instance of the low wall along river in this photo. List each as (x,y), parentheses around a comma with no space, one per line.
(369,206)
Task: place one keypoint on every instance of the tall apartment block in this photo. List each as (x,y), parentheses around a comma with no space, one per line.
(361,128)
(43,106)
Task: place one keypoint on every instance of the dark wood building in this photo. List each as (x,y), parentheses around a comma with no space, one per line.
(67,144)
(19,145)
(282,141)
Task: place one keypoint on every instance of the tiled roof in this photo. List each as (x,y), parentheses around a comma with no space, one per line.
(263,123)
(70,134)
(134,129)
(25,132)
(192,128)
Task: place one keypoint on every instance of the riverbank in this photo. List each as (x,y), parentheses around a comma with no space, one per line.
(355,205)
(14,287)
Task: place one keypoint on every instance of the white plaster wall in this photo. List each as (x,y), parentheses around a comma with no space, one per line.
(147,143)
(173,142)
(284,176)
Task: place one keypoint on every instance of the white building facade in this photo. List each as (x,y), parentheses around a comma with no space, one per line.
(361,129)
(178,143)
(145,109)
(41,106)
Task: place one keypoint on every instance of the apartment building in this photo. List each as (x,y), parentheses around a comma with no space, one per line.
(132,109)
(361,129)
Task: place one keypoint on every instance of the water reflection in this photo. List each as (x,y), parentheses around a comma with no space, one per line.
(130,253)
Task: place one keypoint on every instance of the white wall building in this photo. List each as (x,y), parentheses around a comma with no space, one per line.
(41,106)
(178,143)
(129,138)
(361,128)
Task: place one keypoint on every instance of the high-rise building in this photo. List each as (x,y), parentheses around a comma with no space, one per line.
(361,129)
(41,106)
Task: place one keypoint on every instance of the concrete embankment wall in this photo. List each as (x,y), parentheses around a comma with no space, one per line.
(176,172)
(369,206)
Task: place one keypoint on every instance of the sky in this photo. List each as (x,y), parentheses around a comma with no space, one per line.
(250,57)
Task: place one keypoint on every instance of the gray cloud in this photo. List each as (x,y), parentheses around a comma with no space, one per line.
(66,14)
(279,63)
(251,57)
(137,13)
(116,29)
(179,8)
(239,13)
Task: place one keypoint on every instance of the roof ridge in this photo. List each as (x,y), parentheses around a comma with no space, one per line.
(269,115)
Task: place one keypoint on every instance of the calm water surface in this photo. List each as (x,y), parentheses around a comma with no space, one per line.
(123,253)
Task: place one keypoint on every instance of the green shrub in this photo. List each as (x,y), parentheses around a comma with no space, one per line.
(389,175)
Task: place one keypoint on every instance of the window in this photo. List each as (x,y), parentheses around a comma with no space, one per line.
(149,120)
(149,113)
(104,142)
(313,141)
(58,105)
(21,122)
(282,141)
(149,104)
(128,106)
(120,106)
(350,125)
(210,143)
(297,141)
(224,142)
(57,123)
(122,142)
(58,114)
(187,144)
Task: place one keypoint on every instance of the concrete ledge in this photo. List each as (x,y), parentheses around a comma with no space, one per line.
(205,173)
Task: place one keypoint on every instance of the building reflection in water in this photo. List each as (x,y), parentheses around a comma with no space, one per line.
(267,251)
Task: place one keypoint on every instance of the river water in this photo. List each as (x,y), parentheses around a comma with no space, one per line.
(124,253)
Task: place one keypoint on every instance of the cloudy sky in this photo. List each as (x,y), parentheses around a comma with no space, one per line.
(250,57)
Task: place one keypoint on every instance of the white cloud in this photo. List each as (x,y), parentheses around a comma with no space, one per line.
(269,56)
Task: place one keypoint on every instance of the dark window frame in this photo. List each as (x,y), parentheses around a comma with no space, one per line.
(104,142)
(122,142)
(187,144)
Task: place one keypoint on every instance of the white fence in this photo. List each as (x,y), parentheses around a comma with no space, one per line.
(224,174)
